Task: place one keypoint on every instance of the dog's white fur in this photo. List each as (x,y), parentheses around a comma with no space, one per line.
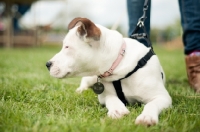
(89,54)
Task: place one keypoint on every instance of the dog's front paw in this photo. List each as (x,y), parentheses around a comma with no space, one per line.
(118,113)
(81,89)
(146,120)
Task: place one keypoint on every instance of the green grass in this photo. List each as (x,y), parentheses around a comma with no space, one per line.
(32,101)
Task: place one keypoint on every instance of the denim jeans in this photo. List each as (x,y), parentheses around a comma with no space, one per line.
(135,11)
(190,21)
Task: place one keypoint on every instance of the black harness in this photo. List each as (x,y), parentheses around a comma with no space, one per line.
(117,84)
(143,61)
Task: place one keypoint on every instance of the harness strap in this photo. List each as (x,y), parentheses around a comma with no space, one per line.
(118,88)
(141,63)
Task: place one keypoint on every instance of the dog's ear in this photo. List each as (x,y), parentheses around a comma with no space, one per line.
(86,29)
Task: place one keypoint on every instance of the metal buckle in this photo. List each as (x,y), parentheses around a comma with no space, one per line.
(123,52)
(110,72)
(140,23)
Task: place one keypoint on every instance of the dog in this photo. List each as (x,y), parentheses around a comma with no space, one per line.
(89,50)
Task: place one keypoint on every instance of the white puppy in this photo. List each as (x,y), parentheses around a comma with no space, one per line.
(91,50)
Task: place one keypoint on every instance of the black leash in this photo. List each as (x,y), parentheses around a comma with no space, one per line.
(142,62)
(140,25)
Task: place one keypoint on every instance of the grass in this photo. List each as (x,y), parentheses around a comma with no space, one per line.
(32,101)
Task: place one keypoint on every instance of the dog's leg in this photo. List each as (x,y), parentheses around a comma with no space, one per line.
(86,82)
(149,115)
(116,109)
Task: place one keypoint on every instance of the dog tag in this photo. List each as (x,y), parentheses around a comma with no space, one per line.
(98,88)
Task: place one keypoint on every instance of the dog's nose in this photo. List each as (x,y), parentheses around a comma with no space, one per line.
(48,64)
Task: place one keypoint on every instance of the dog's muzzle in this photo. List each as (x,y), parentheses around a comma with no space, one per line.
(49,64)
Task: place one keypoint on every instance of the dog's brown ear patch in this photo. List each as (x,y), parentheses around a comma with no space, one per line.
(73,23)
(87,28)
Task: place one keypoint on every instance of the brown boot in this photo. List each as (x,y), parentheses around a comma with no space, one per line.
(193,71)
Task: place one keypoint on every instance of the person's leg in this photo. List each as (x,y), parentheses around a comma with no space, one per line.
(190,20)
(135,11)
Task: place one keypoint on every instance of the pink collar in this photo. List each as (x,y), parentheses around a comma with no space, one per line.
(116,62)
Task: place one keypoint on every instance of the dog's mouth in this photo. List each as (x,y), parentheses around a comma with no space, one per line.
(61,76)
(57,73)
(64,76)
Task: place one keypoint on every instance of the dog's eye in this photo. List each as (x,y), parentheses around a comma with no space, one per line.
(66,47)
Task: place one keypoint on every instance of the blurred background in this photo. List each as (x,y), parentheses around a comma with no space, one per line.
(25,23)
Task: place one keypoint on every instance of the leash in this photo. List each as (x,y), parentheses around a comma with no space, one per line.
(142,62)
(140,25)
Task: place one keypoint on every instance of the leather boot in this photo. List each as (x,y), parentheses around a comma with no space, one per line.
(193,71)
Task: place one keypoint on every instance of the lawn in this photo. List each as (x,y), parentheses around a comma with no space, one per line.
(32,101)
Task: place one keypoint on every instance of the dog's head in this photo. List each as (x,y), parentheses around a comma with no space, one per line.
(78,46)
